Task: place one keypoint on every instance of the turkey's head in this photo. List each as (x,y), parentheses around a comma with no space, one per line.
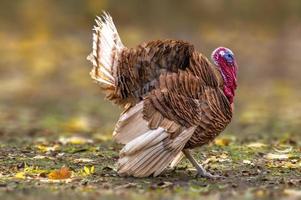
(225,61)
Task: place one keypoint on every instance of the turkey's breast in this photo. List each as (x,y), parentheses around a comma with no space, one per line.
(211,125)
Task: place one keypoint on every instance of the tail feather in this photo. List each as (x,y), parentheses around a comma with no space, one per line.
(106,50)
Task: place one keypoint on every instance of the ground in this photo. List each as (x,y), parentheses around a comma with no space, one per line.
(42,164)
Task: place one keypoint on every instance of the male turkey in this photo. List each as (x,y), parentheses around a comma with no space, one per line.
(174,98)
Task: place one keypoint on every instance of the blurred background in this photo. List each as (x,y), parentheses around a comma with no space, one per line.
(44,75)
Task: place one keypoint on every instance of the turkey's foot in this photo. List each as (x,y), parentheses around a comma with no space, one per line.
(201,172)
(204,174)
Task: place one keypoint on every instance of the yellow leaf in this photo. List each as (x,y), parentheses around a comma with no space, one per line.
(292,192)
(92,169)
(87,170)
(75,140)
(77,124)
(44,148)
(260,193)
(20,175)
(292,165)
(222,142)
(62,173)
(103,137)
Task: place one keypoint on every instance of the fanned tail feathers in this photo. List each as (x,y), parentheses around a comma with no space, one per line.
(106,49)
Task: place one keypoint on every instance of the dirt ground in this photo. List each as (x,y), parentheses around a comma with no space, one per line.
(40,164)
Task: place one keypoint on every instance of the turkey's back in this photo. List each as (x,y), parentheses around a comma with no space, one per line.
(138,69)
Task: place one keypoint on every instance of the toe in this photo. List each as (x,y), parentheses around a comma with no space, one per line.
(209,176)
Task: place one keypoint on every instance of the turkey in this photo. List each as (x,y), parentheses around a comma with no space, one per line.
(174,99)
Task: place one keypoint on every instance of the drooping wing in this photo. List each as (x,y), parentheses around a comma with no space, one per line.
(157,129)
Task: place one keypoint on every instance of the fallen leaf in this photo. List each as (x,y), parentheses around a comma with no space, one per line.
(20,175)
(87,171)
(103,137)
(62,173)
(77,124)
(260,193)
(272,156)
(210,160)
(292,165)
(248,162)
(75,140)
(222,141)
(83,160)
(287,150)
(45,148)
(256,145)
(39,157)
(45,180)
(292,192)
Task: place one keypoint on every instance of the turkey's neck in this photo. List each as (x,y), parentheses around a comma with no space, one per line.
(229,92)
(230,84)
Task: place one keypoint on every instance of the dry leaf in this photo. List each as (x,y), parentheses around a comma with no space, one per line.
(75,140)
(287,150)
(292,192)
(272,156)
(256,145)
(39,157)
(83,160)
(248,162)
(62,173)
(292,165)
(44,148)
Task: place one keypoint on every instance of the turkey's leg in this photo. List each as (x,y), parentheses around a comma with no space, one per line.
(200,169)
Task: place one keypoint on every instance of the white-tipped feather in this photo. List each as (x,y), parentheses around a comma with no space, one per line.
(105,50)
(151,152)
(176,160)
(143,141)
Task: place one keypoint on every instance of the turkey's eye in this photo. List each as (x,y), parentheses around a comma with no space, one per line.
(229,57)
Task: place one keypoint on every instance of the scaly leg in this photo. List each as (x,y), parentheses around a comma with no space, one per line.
(200,169)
